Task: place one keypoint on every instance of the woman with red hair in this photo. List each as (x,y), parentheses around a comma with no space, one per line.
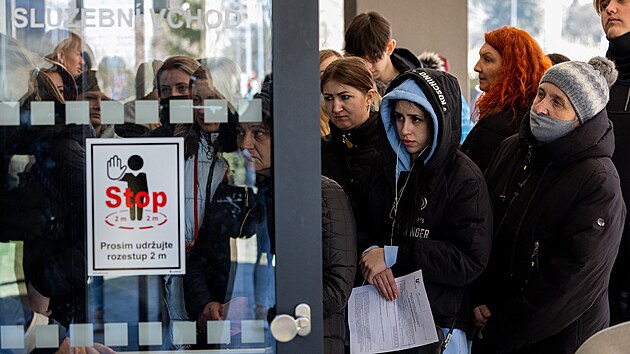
(510,67)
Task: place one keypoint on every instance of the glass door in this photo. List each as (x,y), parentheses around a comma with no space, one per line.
(160,176)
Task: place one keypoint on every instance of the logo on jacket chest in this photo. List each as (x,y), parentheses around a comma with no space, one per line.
(420,229)
(419,232)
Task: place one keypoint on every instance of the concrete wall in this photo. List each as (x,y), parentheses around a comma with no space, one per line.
(419,25)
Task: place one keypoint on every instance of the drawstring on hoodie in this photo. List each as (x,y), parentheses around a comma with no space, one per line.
(625,109)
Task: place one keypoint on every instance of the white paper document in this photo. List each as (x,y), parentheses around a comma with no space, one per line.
(378,326)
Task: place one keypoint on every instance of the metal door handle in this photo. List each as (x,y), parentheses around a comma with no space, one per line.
(284,327)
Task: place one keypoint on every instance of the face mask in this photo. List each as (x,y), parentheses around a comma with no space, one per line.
(547,129)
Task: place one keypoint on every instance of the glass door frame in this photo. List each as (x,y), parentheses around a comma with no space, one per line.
(296,163)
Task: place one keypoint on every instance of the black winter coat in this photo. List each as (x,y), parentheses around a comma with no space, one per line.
(559,213)
(486,136)
(233,212)
(55,262)
(349,158)
(339,245)
(619,113)
(454,226)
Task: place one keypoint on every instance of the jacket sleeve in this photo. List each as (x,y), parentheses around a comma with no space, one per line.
(339,241)
(463,250)
(60,260)
(574,274)
(196,290)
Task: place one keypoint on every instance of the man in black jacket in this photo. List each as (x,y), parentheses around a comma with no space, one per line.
(615,17)
(369,36)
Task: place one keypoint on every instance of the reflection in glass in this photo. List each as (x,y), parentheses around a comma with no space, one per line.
(67,74)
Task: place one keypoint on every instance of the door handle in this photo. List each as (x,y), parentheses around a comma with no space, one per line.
(285,327)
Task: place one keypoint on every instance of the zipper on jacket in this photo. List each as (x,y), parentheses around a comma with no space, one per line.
(346,141)
(502,196)
(625,109)
(528,157)
(240,230)
(519,186)
(535,255)
(534,262)
(520,223)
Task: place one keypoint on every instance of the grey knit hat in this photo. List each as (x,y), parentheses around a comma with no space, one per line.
(587,85)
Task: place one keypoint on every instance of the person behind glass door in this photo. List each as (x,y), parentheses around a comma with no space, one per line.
(559,210)
(615,19)
(338,236)
(173,82)
(442,218)
(510,66)
(204,145)
(54,266)
(68,51)
(226,76)
(235,211)
(146,89)
(90,91)
(326,56)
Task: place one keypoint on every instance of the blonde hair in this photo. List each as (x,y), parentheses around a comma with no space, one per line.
(70,40)
(180,62)
(225,76)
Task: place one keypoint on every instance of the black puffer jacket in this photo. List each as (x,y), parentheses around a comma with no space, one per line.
(619,113)
(55,263)
(451,236)
(348,158)
(559,214)
(486,136)
(233,212)
(339,244)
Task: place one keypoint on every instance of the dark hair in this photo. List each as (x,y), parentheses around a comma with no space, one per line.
(367,36)
(266,98)
(557,58)
(46,87)
(146,77)
(349,71)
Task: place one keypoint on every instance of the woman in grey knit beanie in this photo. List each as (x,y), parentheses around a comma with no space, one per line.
(570,94)
(559,214)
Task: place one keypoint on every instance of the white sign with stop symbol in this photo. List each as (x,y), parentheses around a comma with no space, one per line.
(135,199)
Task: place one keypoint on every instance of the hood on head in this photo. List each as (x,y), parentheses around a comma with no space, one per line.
(410,91)
(442,99)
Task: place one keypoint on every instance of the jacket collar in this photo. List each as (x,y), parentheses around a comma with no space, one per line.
(356,138)
(593,139)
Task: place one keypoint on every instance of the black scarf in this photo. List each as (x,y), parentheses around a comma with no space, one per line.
(619,52)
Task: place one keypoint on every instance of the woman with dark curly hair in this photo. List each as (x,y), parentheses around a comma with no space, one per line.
(510,66)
